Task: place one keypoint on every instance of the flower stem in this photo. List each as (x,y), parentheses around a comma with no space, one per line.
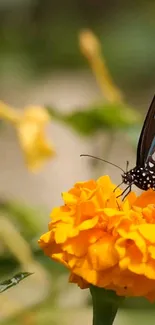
(105,305)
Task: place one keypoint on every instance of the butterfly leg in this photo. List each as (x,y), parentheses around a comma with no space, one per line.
(127,192)
(128,187)
(118,205)
(117,186)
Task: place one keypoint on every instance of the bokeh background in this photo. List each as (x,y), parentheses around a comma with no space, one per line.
(42,62)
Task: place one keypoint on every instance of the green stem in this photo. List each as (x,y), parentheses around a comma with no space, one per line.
(105,305)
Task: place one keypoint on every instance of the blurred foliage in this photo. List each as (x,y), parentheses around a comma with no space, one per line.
(7,284)
(9,264)
(42,36)
(30,223)
(28,218)
(98,117)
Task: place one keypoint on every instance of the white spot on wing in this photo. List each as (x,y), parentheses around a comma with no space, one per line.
(150,164)
(153,156)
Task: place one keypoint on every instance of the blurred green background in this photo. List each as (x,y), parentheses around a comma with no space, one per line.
(41,63)
(42,35)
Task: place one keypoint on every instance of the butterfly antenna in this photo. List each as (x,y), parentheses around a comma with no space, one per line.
(108,162)
(127,166)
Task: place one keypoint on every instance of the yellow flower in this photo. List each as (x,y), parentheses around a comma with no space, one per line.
(30,124)
(30,129)
(104,241)
(91,48)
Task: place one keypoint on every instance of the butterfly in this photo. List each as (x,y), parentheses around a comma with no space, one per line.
(143,174)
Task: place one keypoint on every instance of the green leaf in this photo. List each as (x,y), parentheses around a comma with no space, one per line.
(98,117)
(5,285)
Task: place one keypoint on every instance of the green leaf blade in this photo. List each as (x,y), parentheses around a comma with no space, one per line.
(7,284)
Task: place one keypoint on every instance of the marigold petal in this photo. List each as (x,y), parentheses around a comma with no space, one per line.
(147,269)
(134,238)
(46,238)
(102,254)
(113,212)
(151,250)
(89,275)
(87,209)
(88,224)
(130,199)
(60,257)
(62,233)
(147,197)
(88,185)
(148,232)
(78,246)
(104,181)
(60,215)
(69,199)
(73,278)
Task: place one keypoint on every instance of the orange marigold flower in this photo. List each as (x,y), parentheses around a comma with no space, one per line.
(104,241)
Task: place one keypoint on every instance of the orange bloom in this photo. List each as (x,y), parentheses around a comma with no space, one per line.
(104,241)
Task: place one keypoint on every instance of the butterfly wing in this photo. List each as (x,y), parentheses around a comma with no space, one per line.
(146,144)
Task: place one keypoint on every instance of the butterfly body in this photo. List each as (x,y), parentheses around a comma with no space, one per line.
(142,177)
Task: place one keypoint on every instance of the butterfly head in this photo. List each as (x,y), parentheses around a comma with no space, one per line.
(128,178)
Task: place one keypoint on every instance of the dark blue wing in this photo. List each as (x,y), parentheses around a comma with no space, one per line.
(146,144)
